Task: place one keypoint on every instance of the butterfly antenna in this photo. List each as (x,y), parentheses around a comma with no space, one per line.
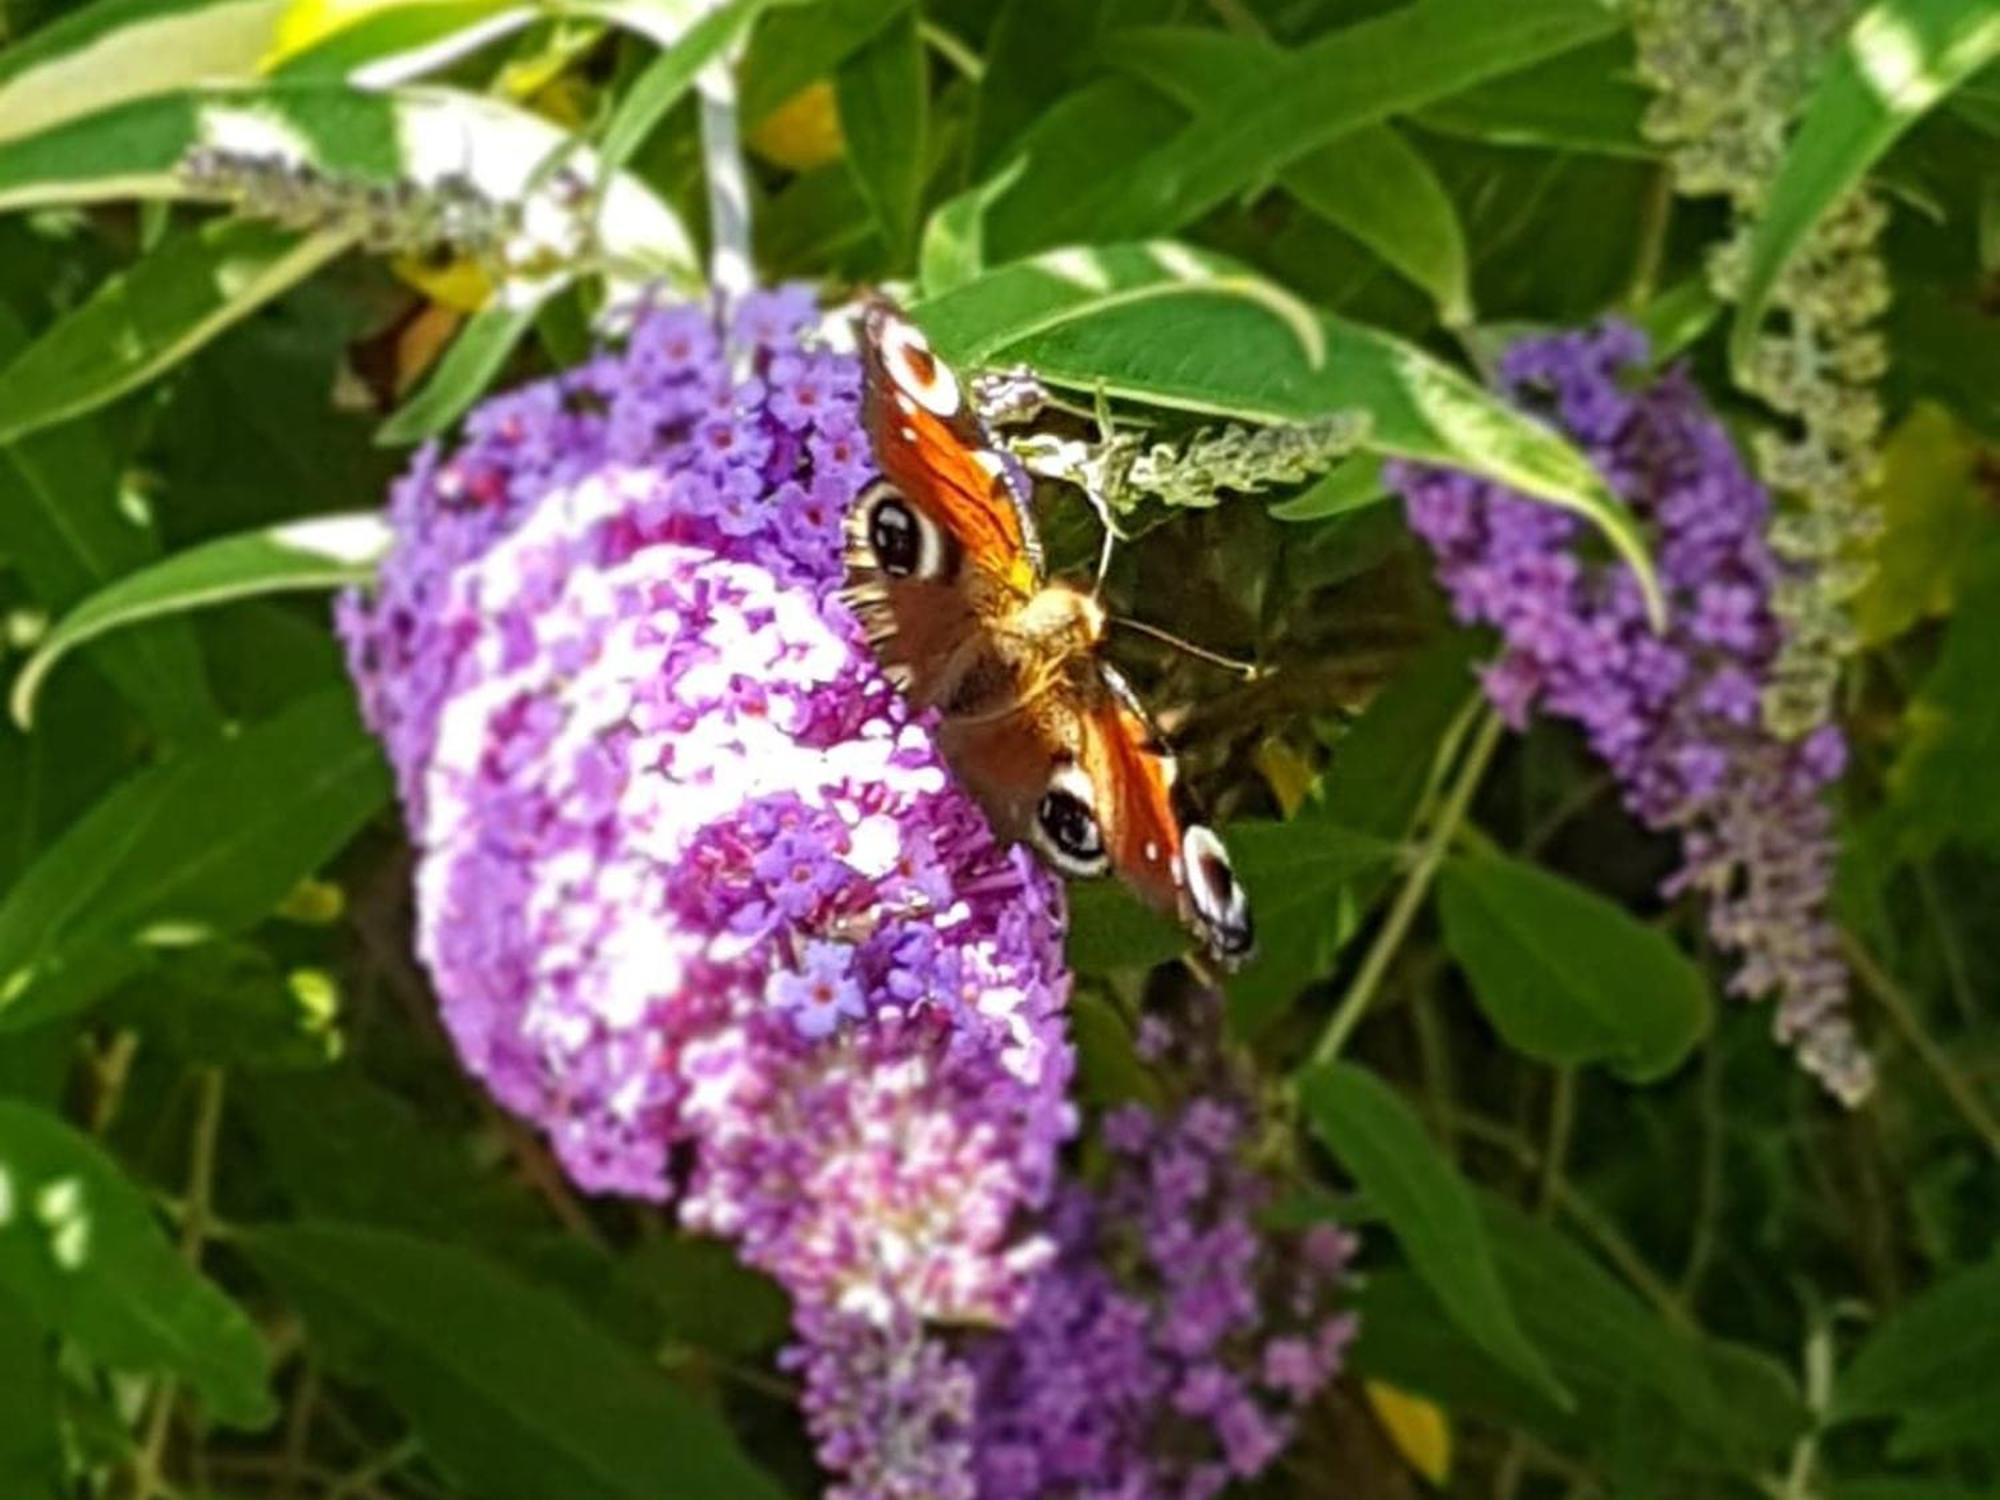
(1249,671)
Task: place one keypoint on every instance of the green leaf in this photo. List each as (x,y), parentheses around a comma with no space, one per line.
(342,1148)
(1370,184)
(1180,328)
(1932,1367)
(514,1393)
(327,552)
(1928,494)
(1587,100)
(389,42)
(151,317)
(1891,1488)
(1900,58)
(1350,485)
(802,46)
(1429,1208)
(884,100)
(1567,976)
(1942,786)
(667,78)
(953,250)
(1110,928)
(1349,78)
(201,845)
(80,1249)
(31,1447)
(1037,53)
(68,535)
(1299,876)
(468,368)
(419,135)
(107,53)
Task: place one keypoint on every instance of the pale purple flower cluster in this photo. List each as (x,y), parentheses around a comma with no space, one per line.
(696,890)
(1677,716)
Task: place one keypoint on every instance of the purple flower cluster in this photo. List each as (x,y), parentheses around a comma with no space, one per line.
(1170,1348)
(697,893)
(1677,716)
(700,898)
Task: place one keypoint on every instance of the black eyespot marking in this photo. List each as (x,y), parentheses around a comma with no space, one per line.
(1071,830)
(1221,910)
(896,537)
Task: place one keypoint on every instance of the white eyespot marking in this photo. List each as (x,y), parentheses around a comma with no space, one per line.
(1152,850)
(1220,906)
(907,433)
(918,371)
(1065,827)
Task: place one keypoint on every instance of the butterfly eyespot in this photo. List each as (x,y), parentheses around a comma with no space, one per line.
(1218,901)
(917,371)
(903,542)
(1067,832)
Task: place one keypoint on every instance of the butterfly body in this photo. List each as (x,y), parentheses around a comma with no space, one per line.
(945,574)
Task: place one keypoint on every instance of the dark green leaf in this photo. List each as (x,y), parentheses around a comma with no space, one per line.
(325,553)
(341,1148)
(1110,928)
(1354,483)
(1589,99)
(80,1249)
(1901,57)
(199,846)
(1349,78)
(668,77)
(706,1297)
(1429,1208)
(1567,976)
(1036,55)
(514,1392)
(884,100)
(802,46)
(1942,784)
(1933,1367)
(31,1454)
(1370,184)
(953,251)
(150,318)
(1300,877)
(69,536)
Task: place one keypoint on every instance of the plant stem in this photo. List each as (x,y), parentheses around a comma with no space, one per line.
(1361,993)
(1904,1013)
(729,267)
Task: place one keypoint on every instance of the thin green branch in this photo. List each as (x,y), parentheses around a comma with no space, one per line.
(1410,899)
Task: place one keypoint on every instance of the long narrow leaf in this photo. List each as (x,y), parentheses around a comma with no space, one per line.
(1901,57)
(151,317)
(323,553)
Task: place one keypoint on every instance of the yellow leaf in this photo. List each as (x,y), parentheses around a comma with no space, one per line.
(463,285)
(306,23)
(803,132)
(1929,501)
(1420,1431)
(1286,772)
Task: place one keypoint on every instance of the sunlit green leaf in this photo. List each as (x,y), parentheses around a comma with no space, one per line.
(1589,99)
(1901,58)
(419,135)
(1942,785)
(1186,329)
(80,1249)
(514,1392)
(1932,510)
(115,50)
(1355,483)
